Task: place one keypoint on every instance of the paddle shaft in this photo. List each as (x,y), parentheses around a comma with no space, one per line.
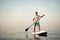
(30,26)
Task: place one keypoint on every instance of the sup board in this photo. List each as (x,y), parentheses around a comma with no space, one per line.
(41,33)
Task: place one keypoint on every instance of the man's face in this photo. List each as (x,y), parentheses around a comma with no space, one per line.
(36,13)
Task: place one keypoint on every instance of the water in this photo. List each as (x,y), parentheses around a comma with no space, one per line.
(28,36)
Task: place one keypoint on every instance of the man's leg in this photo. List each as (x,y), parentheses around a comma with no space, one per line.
(34,28)
(38,25)
(39,28)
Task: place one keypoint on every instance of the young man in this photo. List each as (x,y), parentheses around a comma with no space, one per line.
(36,20)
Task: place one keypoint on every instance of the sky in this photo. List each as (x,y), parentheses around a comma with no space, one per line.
(19,13)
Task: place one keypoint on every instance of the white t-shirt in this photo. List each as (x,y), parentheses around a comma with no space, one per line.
(36,18)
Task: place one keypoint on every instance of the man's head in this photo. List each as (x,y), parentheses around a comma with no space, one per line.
(36,13)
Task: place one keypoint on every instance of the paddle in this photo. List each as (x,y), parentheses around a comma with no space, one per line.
(28,27)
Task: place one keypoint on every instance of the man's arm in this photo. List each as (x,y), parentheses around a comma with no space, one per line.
(42,16)
(33,19)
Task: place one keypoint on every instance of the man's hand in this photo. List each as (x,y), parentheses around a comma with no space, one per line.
(43,14)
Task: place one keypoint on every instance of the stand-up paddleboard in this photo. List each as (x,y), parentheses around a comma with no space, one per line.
(41,33)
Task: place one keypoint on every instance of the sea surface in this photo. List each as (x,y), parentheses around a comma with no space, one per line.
(28,36)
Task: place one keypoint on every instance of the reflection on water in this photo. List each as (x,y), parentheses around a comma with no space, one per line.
(36,38)
(28,36)
(49,36)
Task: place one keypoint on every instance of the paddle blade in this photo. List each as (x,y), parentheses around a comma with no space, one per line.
(26,29)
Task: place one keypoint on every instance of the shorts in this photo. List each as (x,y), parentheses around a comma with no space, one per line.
(37,24)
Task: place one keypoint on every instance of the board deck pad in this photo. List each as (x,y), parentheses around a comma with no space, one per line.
(41,33)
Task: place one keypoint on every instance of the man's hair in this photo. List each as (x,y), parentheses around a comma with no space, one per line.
(36,12)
